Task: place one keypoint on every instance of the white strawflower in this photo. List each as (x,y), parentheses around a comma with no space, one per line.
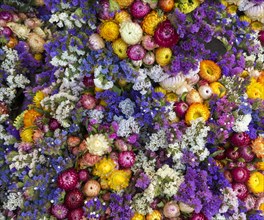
(131,32)
(97,144)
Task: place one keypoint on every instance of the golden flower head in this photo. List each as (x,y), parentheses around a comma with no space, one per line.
(255,90)
(122,16)
(187,6)
(104,167)
(260,165)
(109,30)
(256,182)
(39,96)
(154,215)
(119,179)
(27,135)
(256,26)
(171,97)
(231,9)
(120,48)
(138,216)
(160,89)
(97,144)
(210,71)
(196,110)
(30,117)
(258,147)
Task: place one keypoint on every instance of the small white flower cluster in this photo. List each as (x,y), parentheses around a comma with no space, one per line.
(64,60)
(241,123)
(194,140)
(11,58)
(64,19)
(171,113)
(127,107)
(169,180)
(96,114)
(257,56)
(127,127)
(142,82)
(7,94)
(143,162)
(30,160)
(219,217)
(5,137)
(71,84)
(166,182)
(157,140)
(61,105)
(14,200)
(230,201)
(17,81)
(156,73)
(238,216)
(141,201)
(100,81)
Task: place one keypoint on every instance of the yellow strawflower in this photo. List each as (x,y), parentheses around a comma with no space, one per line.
(256,182)
(138,216)
(26,135)
(155,215)
(120,48)
(119,179)
(171,97)
(160,89)
(255,90)
(39,96)
(186,6)
(196,110)
(104,167)
(260,165)
(109,30)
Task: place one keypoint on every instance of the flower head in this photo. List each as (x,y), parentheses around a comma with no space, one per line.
(104,167)
(256,182)
(97,144)
(119,179)
(197,110)
(109,31)
(258,147)
(30,117)
(255,90)
(131,32)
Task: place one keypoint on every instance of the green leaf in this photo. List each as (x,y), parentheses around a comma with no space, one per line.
(114,6)
(217,153)
(117,90)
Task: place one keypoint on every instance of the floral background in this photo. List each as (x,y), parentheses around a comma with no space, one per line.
(132,109)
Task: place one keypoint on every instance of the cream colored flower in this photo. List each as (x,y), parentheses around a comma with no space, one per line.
(131,32)
(256,12)
(97,144)
(176,84)
(19,30)
(36,43)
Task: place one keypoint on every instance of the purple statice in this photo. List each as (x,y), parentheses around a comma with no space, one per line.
(94,208)
(120,207)
(189,159)
(143,181)
(202,188)
(256,216)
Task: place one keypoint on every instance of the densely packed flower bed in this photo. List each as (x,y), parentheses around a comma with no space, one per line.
(132,109)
